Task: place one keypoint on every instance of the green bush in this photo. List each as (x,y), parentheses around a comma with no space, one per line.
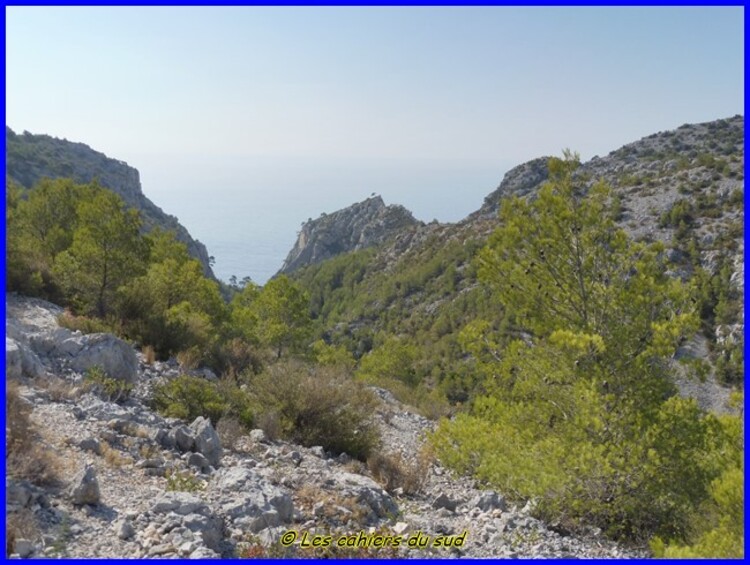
(188,397)
(318,406)
(393,360)
(114,390)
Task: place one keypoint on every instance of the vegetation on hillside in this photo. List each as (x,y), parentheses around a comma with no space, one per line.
(550,343)
(584,405)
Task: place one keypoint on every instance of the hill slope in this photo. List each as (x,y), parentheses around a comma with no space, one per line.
(682,187)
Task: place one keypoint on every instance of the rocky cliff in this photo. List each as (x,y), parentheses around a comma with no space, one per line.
(32,157)
(361,225)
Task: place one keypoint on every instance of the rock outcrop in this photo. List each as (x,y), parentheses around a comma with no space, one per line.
(361,225)
(519,181)
(36,345)
(29,158)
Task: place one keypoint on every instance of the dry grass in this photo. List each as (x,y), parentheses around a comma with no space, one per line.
(114,457)
(394,471)
(149,451)
(189,358)
(230,431)
(84,324)
(309,495)
(20,525)
(149,354)
(270,423)
(59,390)
(27,457)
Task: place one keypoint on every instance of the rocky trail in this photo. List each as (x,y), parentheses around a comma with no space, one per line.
(135,484)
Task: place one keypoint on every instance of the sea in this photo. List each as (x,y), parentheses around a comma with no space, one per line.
(249,227)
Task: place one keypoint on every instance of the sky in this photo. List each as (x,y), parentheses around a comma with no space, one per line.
(245,121)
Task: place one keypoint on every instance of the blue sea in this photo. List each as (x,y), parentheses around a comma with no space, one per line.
(250,223)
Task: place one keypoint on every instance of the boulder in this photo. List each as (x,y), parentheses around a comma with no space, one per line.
(84,488)
(444,501)
(489,500)
(90,444)
(21,361)
(116,357)
(194,514)
(250,502)
(17,495)
(23,547)
(367,493)
(124,529)
(183,438)
(198,461)
(207,440)
(182,503)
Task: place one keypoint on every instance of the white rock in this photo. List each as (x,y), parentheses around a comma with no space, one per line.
(84,488)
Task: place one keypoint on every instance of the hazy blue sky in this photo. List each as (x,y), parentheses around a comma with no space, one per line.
(314,108)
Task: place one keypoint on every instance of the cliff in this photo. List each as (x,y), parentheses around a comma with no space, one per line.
(30,158)
(361,225)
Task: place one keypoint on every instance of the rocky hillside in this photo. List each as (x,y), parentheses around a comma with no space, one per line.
(683,187)
(30,158)
(121,481)
(361,225)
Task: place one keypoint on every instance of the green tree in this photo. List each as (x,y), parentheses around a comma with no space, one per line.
(278,315)
(579,414)
(172,306)
(106,252)
(394,359)
(40,225)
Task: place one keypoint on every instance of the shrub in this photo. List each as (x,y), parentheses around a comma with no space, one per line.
(188,397)
(230,430)
(392,360)
(84,324)
(236,356)
(184,481)
(394,471)
(318,406)
(97,381)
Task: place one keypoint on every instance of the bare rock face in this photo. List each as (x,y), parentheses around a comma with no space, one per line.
(519,181)
(35,344)
(361,225)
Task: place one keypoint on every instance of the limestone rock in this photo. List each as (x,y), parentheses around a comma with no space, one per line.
(249,501)
(116,357)
(444,501)
(489,500)
(90,444)
(361,225)
(23,547)
(84,488)
(124,529)
(198,461)
(207,440)
(183,438)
